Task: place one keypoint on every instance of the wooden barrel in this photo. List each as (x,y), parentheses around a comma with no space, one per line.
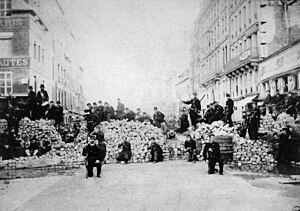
(226,147)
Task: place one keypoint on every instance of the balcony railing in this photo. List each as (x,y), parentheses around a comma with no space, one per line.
(244,57)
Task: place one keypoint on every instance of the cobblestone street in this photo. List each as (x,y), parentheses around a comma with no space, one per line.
(173,185)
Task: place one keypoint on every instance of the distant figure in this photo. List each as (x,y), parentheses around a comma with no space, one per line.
(42,101)
(100,111)
(195,109)
(159,120)
(120,110)
(129,115)
(229,110)
(59,119)
(109,112)
(125,154)
(254,121)
(52,111)
(291,106)
(183,121)
(31,104)
(212,153)
(218,111)
(156,151)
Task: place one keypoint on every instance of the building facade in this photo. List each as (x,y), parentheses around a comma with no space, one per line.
(38,48)
(231,39)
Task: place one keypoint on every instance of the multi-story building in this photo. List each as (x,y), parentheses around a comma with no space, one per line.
(231,38)
(183,88)
(36,48)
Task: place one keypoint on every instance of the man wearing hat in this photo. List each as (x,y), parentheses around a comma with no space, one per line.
(31,104)
(212,153)
(92,153)
(42,99)
(195,109)
(190,146)
(229,110)
(156,151)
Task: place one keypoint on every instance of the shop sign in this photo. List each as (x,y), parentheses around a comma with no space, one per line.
(14,62)
(283,62)
(10,23)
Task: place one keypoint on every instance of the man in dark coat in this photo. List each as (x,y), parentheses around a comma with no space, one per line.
(59,114)
(212,153)
(99,136)
(129,115)
(268,101)
(31,104)
(156,151)
(51,113)
(291,106)
(218,111)
(159,120)
(253,124)
(109,112)
(209,115)
(190,146)
(125,154)
(100,111)
(184,121)
(42,98)
(195,109)
(120,110)
(92,153)
(229,110)
(278,100)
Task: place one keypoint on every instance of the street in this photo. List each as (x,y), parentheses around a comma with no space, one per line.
(171,185)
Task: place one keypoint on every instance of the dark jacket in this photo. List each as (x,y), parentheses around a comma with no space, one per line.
(31,101)
(130,115)
(195,104)
(126,146)
(158,117)
(190,145)
(218,112)
(211,151)
(51,114)
(154,147)
(229,105)
(102,151)
(42,96)
(92,152)
(99,136)
(254,118)
(59,112)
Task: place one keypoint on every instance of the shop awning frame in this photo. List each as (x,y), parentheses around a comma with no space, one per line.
(244,101)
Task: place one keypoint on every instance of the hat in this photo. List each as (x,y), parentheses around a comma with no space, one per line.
(30,87)
(42,85)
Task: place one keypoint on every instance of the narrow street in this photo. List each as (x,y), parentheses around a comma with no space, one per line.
(172,185)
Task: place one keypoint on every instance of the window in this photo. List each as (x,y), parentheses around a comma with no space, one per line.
(39,53)
(34,50)
(5,83)
(5,8)
(6,48)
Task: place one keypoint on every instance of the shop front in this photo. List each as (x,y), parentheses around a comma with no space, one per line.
(14,76)
(281,71)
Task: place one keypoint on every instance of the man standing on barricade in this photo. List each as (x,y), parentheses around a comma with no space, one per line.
(229,110)
(42,101)
(253,125)
(31,104)
(120,110)
(291,106)
(195,109)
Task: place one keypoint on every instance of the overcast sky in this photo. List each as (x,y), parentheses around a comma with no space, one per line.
(130,46)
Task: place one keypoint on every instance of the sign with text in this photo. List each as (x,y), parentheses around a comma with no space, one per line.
(10,23)
(283,62)
(14,62)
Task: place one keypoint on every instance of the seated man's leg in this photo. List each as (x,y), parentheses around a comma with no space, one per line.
(99,167)
(211,166)
(190,156)
(155,156)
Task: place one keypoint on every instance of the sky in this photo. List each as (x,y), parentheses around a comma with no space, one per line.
(128,48)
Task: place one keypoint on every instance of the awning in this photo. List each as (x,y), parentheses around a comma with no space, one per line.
(244,101)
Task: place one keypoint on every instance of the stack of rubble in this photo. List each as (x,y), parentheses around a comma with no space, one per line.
(252,152)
